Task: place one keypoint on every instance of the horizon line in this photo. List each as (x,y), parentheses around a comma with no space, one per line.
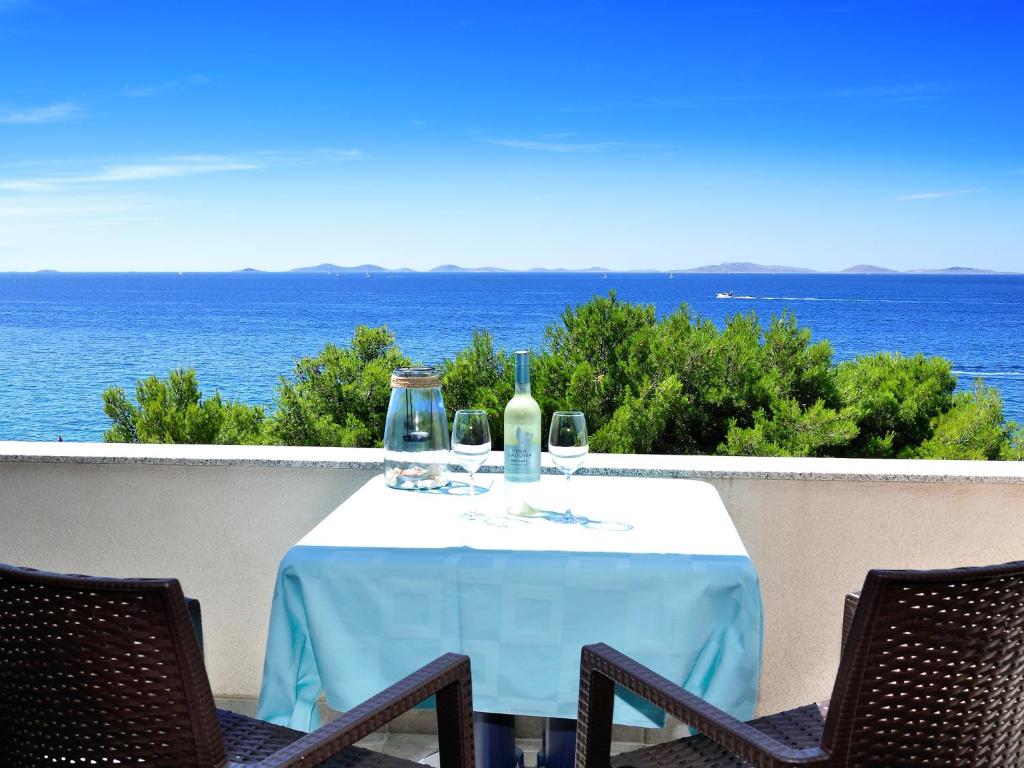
(371,269)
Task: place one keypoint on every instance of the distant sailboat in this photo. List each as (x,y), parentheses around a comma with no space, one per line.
(670,275)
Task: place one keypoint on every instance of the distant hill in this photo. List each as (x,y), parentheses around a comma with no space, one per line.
(727,267)
(744,267)
(457,268)
(335,268)
(248,270)
(868,269)
(953,271)
(571,269)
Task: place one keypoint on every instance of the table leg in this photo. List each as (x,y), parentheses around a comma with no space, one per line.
(559,742)
(495,739)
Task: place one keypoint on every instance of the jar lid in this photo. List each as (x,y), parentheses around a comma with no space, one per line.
(415,377)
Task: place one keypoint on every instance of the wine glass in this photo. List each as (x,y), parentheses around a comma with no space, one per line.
(567,446)
(471,445)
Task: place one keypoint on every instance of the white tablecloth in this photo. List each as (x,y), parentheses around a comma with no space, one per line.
(391,579)
(681,517)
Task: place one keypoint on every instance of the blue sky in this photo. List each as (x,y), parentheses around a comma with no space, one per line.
(204,136)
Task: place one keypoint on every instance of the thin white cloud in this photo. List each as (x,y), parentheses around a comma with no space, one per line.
(937,195)
(64,110)
(586,108)
(154,169)
(894,93)
(904,93)
(339,153)
(897,93)
(551,146)
(294,156)
(649,102)
(32,213)
(166,168)
(141,91)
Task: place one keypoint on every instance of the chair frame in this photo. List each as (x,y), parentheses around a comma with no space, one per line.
(603,667)
(447,678)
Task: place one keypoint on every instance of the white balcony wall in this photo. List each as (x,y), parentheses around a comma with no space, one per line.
(220,518)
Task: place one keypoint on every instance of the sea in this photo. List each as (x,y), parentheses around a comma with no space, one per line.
(65,337)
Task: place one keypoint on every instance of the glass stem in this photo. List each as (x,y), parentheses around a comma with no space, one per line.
(472,488)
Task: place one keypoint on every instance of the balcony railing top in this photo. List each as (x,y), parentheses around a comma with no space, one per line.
(648,465)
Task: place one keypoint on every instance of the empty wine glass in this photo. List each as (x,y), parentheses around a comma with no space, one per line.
(567,446)
(471,445)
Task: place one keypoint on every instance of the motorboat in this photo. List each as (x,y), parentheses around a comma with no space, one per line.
(725,295)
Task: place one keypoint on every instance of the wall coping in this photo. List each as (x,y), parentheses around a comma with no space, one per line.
(654,465)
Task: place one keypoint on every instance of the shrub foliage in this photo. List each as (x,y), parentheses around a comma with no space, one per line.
(675,385)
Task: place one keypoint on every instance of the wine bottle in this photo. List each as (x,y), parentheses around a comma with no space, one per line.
(522,435)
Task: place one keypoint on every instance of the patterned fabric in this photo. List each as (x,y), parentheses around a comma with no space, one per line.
(349,620)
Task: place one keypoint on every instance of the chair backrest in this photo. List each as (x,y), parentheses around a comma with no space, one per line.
(101,671)
(933,671)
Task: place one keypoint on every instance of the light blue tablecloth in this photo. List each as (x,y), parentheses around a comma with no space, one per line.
(352,620)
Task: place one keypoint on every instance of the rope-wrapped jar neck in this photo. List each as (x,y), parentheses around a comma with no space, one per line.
(415,378)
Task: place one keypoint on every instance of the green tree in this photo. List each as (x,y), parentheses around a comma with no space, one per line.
(173,410)
(480,376)
(597,357)
(340,397)
(678,384)
(789,430)
(1014,450)
(973,428)
(895,401)
(686,387)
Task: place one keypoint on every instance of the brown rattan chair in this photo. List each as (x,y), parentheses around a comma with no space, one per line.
(108,672)
(849,611)
(932,675)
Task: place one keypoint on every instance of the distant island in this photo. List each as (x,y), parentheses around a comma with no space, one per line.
(745,267)
(727,268)
(457,268)
(957,271)
(868,269)
(330,268)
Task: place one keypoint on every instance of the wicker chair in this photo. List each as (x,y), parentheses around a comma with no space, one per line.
(932,675)
(108,671)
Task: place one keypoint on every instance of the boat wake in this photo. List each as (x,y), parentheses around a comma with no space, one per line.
(837,299)
(991,374)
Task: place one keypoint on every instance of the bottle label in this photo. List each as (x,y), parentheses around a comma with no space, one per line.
(522,458)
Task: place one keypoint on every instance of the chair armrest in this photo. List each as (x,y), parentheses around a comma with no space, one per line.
(849,608)
(602,668)
(447,677)
(195,613)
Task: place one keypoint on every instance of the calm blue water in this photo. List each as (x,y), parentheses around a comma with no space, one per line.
(66,337)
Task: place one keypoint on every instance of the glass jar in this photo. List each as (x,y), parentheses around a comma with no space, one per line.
(416,440)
